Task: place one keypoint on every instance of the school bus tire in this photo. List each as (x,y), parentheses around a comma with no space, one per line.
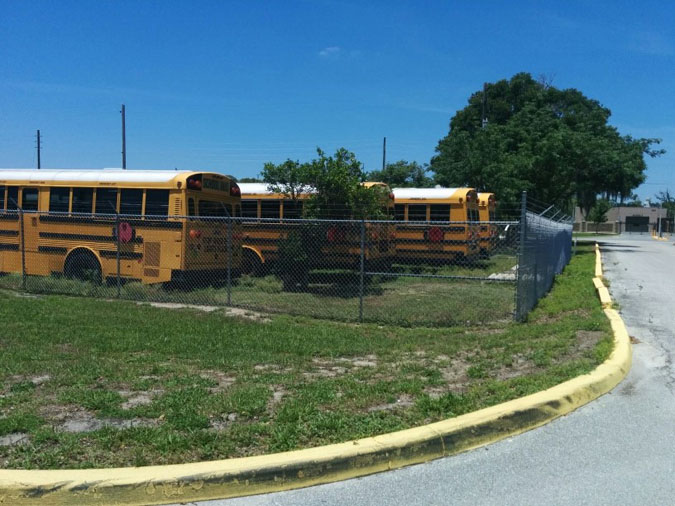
(252,262)
(82,264)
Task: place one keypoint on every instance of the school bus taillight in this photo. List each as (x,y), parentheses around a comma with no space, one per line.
(195,234)
(235,191)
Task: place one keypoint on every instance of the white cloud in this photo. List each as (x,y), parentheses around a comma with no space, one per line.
(331,51)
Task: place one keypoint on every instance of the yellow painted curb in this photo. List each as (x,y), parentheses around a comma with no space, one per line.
(302,468)
(603,293)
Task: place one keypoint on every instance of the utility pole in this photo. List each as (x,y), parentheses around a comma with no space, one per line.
(484,120)
(38,145)
(124,139)
(384,153)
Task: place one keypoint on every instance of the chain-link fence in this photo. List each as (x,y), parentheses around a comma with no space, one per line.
(413,273)
(545,249)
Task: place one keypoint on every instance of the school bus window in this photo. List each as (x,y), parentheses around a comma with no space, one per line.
(491,216)
(59,199)
(2,198)
(157,202)
(237,211)
(269,209)
(29,199)
(106,201)
(292,209)
(12,198)
(191,207)
(131,201)
(439,212)
(417,212)
(82,200)
(249,208)
(471,214)
(399,212)
(213,208)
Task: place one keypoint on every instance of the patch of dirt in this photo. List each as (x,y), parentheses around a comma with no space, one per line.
(74,419)
(404,401)
(278,393)
(435,392)
(520,366)
(325,368)
(587,339)
(366,361)
(15,438)
(218,424)
(275,368)
(229,311)
(39,380)
(325,372)
(634,340)
(138,398)
(223,380)
(90,424)
(149,377)
(455,375)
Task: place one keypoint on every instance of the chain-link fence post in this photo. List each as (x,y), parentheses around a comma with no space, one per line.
(23,249)
(362,268)
(521,258)
(229,260)
(118,279)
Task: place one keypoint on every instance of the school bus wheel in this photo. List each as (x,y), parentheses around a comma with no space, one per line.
(83,265)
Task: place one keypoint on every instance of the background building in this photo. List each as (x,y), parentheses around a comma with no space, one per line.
(626,219)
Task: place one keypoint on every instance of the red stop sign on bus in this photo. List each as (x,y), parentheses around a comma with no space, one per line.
(125,232)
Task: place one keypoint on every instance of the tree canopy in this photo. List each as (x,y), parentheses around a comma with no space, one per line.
(555,144)
(335,182)
(667,201)
(402,174)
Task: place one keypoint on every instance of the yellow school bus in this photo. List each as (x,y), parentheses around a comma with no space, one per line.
(453,237)
(488,231)
(268,218)
(168,225)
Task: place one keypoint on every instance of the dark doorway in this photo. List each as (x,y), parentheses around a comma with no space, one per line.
(637,223)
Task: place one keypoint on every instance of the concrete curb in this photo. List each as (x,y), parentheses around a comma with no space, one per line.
(302,468)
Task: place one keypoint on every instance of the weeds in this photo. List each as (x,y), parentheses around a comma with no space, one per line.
(214,386)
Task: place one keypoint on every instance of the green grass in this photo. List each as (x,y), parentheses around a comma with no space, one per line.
(395,300)
(216,386)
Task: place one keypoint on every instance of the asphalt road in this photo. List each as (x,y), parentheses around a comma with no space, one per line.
(619,449)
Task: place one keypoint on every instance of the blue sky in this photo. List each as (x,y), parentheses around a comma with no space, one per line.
(227,86)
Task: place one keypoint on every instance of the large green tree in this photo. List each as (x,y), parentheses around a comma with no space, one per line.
(403,174)
(555,144)
(335,182)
